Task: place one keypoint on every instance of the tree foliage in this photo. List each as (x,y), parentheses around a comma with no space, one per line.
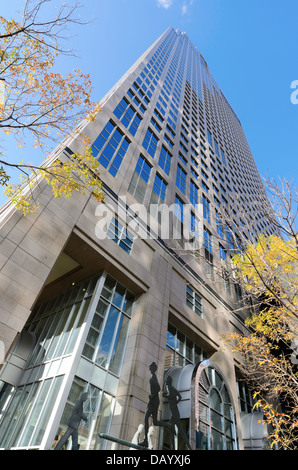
(40,102)
(268,274)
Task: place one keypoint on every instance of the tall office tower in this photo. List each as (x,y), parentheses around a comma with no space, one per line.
(93,294)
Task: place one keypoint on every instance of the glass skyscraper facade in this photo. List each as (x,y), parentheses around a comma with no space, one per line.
(103,308)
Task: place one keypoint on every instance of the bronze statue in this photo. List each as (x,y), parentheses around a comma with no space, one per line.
(152,407)
(174,397)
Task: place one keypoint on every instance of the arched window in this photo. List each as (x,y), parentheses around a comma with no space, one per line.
(215,417)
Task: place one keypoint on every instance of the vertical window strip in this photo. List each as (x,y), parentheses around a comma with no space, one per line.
(194,193)
(120,235)
(206,209)
(165,160)
(181,179)
(111,145)
(128,116)
(150,142)
(194,301)
(140,178)
(159,187)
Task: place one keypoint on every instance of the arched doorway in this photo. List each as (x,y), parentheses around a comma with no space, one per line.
(214,410)
(206,408)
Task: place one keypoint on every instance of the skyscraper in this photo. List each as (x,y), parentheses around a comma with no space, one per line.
(92,293)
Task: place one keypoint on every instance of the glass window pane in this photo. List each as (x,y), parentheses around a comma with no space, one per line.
(107,290)
(189,350)
(216,440)
(225,395)
(171,337)
(229,444)
(228,428)
(103,421)
(90,410)
(75,393)
(216,420)
(107,338)
(31,423)
(218,380)
(118,296)
(16,414)
(42,424)
(215,400)
(119,346)
(78,323)
(180,342)
(128,303)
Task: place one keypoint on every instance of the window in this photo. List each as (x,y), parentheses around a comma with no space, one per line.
(216,148)
(120,109)
(172,124)
(179,208)
(219,226)
(194,225)
(105,343)
(129,117)
(182,158)
(181,350)
(154,123)
(58,323)
(181,179)
(216,423)
(136,101)
(194,193)
(208,246)
(183,147)
(222,156)
(160,109)
(113,146)
(205,187)
(194,173)
(120,235)
(157,197)
(58,339)
(165,160)
(168,141)
(159,188)
(150,143)
(246,401)
(194,301)
(206,209)
(209,137)
(204,174)
(99,407)
(138,184)
(216,201)
(230,238)
(178,220)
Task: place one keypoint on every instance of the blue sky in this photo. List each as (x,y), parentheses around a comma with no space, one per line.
(251,47)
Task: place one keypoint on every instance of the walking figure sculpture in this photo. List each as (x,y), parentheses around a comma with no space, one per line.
(153,404)
(73,424)
(174,398)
